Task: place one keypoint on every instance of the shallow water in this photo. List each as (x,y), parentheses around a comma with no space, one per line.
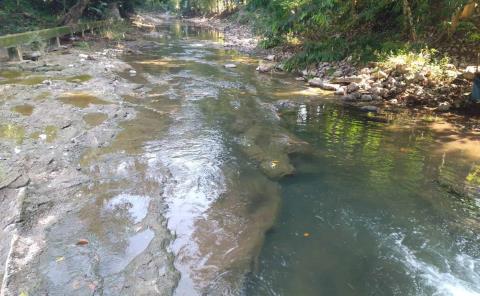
(25,109)
(81,99)
(95,118)
(322,200)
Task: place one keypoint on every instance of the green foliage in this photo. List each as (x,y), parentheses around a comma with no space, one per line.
(425,60)
(26,15)
(333,49)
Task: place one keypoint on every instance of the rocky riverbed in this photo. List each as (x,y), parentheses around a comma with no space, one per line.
(53,112)
(100,146)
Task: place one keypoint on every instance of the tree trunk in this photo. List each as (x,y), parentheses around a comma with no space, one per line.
(75,12)
(465,13)
(407,14)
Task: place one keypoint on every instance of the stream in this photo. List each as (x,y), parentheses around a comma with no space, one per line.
(315,199)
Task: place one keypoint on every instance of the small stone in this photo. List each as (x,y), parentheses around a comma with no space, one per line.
(132,72)
(365,71)
(347,80)
(419,77)
(264,68)
(341,91)
(317,82)
(380,75)
(352,87)
(444,106)
(270,57)
(337,73)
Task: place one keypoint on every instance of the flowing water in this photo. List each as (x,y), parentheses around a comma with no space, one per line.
(323,200)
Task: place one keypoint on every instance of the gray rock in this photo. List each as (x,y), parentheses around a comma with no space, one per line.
(317,82)
(347,80)
(366,97)
(352,87)
(350,97)
(370,108)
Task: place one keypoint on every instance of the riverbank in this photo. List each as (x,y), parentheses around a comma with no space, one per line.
(55,111)
(416,81)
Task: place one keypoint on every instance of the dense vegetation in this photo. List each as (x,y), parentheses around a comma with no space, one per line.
(326,30)
(317,30)
(24,15)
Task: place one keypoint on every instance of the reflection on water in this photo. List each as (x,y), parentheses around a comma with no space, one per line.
(387,210)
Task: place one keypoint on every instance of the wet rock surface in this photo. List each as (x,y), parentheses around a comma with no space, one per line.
(48,122)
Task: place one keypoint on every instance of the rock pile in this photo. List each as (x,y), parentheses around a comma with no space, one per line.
(399,84)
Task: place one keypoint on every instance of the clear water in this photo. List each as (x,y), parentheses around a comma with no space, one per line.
(321,200)
(378,206)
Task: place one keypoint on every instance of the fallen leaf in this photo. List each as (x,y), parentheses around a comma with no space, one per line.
(306,234)
(274,163)
(59,259)
(82,242)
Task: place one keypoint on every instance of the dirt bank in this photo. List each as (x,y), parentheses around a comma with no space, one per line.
(53,111)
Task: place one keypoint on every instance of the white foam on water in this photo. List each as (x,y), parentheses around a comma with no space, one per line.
(461,277)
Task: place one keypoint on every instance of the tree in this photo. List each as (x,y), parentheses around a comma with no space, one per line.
(75,12)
